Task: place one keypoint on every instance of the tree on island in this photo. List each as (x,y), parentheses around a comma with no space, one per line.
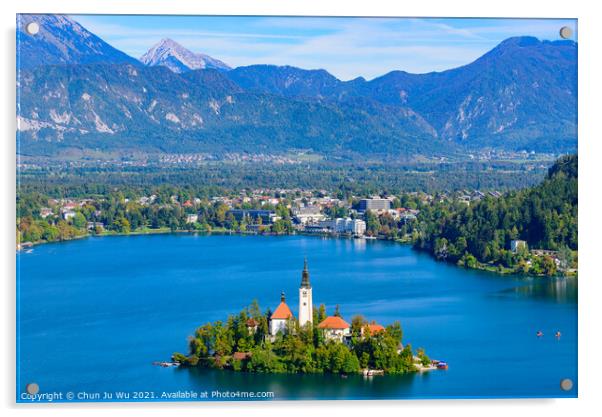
(243,343)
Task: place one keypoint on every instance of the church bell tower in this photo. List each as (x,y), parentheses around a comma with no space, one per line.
(305,301)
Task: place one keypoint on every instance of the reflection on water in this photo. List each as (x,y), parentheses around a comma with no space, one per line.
(306,386)
(560,290)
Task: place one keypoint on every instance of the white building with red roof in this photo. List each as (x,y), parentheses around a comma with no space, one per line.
(335,328)
(280,317)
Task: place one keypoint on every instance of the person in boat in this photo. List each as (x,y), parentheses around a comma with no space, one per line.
(558,334)
(539,333)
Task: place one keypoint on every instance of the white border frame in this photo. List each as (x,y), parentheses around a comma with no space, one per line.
(590,142)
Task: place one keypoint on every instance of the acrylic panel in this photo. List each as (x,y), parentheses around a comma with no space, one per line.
(248,208)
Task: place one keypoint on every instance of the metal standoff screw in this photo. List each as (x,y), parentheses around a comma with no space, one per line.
(566,384)
(566,32)
(32,388)
(32,28)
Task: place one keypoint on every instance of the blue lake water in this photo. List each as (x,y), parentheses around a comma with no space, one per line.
(93,315)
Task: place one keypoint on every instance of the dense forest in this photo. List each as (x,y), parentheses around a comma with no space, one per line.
(235,345)
(544,216)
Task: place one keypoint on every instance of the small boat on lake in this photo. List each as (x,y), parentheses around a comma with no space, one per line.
(372,372)
(166,364)
(442,365)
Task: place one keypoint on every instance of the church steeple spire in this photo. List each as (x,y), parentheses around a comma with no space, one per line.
(305,276)
(305,298)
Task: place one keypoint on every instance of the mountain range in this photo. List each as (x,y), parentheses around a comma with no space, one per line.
(78,92)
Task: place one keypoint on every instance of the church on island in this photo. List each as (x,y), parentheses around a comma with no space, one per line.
(333,327)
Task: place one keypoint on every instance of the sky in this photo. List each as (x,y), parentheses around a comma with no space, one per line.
(345,47)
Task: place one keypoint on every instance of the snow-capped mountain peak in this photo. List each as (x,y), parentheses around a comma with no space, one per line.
(174,56)
(61,40)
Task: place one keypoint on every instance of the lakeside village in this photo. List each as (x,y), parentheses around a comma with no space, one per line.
(406,218)
(277,342)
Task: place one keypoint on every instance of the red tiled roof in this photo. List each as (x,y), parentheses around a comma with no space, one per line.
(375,328)
(241,355)
(333,322)
(251,322)
(282,312)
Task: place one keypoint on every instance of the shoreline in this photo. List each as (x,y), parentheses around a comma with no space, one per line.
(493,269)
(217,231)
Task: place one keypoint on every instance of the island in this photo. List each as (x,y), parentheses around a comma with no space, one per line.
(277,342)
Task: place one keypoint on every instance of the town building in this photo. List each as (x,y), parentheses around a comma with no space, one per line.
(305,298)
(256,228)
(517,245)
(335,328)
(70,205)
(94,225)
(68,214)
(464,199)
(374,204)
(316,228)
(308,214)
(192,218)
(347,225)
(408,215)
(45,212)
(544,252)
(266,216)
